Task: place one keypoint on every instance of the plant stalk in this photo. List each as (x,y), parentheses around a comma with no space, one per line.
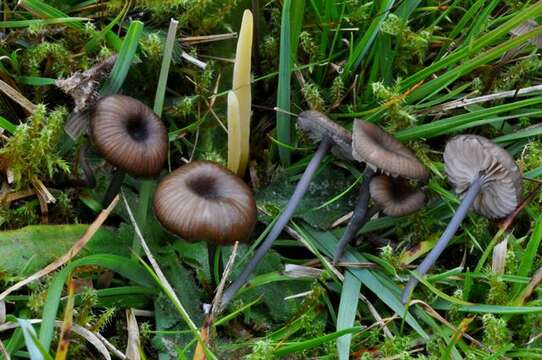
(448,234)
(282,221)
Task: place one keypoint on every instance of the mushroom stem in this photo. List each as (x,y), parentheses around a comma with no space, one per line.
(114,187)
(215,269)
(282,221)
(451,229)
(359,217)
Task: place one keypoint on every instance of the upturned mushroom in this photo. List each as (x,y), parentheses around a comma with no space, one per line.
(381,152)
(395,196)
(330,136)
(205,201)
(130,136)
(485,177)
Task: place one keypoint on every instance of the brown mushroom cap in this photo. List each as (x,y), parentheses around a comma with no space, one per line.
(129,135)
(317,126)
(380,150)
(395,195)
(467,156)
(205,201)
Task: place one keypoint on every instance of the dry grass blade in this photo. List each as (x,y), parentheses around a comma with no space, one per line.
(67,324)
(225,275)
(110,346)
(17,97)
(74,250)
(193,40)
(499,257)
(94,339)
(133,343)
(2,312)
(377,317)
(531,287)
(199,354)
(433,313)
(481,99)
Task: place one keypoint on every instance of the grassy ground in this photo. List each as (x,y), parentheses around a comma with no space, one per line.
(401,64)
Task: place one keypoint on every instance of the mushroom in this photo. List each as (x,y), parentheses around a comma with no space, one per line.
(130,136)
(205,201)
(330,136)
(486,177)
(395,196)
(380,151)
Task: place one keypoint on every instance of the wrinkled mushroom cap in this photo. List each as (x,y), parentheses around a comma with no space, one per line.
(316,125)
(129,135)
(380,150)
(395,195)
(466,156)
(205,201)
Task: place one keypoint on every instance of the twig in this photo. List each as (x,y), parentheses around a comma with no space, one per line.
(74,250)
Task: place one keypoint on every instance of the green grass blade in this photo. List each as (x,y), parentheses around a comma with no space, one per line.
(528,258)
(124,59)
(308,344)
(446,126)
(364,44)
(164,69)
(7,125)
(40,22)
(284,123)
(43,10)
(93,42)
(475,47)
(347,312)
(326,242)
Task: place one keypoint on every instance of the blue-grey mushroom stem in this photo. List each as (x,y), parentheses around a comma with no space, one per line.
(359,217)
(448,234)
(281,222)
(114,187)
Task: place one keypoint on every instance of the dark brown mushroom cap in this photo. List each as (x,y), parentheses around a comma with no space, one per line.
(466,156)
(380,150)
(205,201)
(395,195)
(129,135)
(316,125)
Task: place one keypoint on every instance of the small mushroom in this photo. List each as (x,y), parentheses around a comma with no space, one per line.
(486,177)
(130,136)
(396,196)
(330,135)
(205,201)
(380,151)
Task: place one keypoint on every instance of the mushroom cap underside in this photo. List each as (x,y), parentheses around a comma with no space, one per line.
(317,126)
(468,156)
(395,195)
(205,201)
(129,135)
(380,150)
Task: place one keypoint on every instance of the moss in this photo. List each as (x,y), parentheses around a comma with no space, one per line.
(32,152)
(46,58)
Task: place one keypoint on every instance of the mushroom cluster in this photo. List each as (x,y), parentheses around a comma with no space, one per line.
(329,135)
(391,190)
